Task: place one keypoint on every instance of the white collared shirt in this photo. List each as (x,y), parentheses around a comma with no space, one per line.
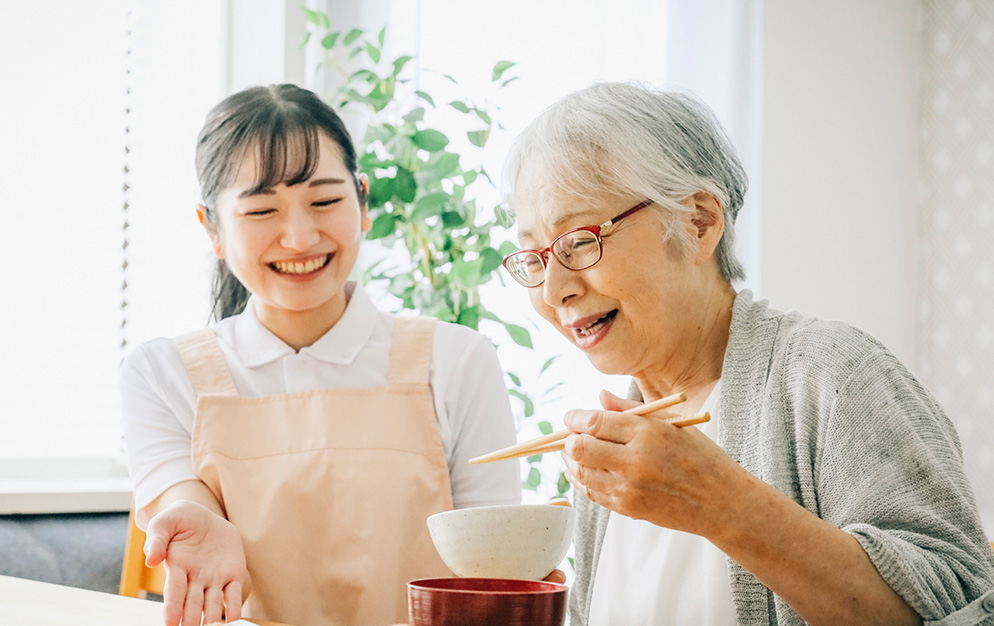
(467,382)
(652,576)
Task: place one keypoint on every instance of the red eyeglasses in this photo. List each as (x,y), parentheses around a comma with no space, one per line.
(575,250)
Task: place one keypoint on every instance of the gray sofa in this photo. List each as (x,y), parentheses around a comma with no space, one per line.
(79,550)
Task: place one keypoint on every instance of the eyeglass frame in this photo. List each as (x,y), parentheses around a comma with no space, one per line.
(593,230)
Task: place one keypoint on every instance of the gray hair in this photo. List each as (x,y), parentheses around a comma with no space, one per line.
(631,139)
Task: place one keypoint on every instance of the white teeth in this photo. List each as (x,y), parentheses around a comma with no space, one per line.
(286,267)
(588,330)
(592,328)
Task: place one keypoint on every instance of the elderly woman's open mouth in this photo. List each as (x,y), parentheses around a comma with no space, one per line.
(589,331)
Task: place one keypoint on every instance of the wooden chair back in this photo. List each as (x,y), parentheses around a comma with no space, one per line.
(137,581)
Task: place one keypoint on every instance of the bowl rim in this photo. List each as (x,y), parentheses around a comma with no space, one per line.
(552,588)
(491,507)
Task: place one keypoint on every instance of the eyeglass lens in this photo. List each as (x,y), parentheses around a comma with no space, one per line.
(576,250)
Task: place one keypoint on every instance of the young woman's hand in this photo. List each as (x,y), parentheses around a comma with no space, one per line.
(204,559)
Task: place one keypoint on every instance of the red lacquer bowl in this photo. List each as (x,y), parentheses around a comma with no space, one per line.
(485,602)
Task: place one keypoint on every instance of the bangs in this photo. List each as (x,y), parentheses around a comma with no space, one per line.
(287,151)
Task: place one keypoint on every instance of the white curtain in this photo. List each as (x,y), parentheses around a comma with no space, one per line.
(102,103)
(62,127)
(956,326)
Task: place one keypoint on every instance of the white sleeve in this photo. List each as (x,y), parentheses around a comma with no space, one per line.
(479,420)
(157,419)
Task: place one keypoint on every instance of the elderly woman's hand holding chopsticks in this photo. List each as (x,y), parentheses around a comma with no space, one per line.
(645,468)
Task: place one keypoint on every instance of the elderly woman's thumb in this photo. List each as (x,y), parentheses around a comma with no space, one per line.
(612,402)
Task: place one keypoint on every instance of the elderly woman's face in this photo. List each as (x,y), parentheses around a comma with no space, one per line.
(628,311)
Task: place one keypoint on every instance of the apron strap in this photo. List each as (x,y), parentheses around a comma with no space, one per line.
(410,350)
(205,364)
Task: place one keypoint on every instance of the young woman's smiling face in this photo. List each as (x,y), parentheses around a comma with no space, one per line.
(293,246)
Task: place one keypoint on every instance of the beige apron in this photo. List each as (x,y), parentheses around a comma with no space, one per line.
(329,488)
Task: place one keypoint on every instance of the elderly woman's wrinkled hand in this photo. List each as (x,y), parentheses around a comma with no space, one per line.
(647,469)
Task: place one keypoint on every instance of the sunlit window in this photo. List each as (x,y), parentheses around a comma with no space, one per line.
(102,102)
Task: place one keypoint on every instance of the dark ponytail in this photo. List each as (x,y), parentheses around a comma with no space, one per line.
(283,125)
(229,296)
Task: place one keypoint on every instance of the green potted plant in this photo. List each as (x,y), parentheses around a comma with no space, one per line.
(424,194)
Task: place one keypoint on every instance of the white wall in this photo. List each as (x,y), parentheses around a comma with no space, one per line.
(839,153)
(263,43)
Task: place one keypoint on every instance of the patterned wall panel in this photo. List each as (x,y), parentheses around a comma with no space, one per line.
(956,311)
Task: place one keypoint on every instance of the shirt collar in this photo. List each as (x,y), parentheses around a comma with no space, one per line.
(346,339)
(258,346)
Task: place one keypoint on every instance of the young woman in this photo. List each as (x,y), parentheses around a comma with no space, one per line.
(298,445)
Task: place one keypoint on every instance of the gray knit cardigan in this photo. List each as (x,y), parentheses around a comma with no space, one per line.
(827,415)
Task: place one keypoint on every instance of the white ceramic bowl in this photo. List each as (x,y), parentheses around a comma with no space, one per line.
(524,541)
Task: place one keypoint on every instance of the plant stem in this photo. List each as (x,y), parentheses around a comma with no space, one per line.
(427,262)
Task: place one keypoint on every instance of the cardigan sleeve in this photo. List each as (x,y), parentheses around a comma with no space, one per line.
(889,472)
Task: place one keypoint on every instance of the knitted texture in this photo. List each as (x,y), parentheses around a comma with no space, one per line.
(824,413)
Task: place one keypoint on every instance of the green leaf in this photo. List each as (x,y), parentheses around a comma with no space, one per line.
(533,481)
(562,485)
(351,36)
(364,75)
(469,177)
(548,363)
(535,458)
(466,273)
(469,317)
(500,68)
(404,185)
(328,42)
(307,37)
(430,140)
(507,248)
(459,106)
(425,97)
(415,115)
(452,80)
(504,218)
(317,18)
(519,335)
(399,63)
(447,163)
(529,406)
(478,137)
(483,116)
(381,36)
(400,284)
(373,51)
(383,225)
(380,191)
(508,82)
(453,219)
(545,428)
(514,378)
(491,261)
(429,206)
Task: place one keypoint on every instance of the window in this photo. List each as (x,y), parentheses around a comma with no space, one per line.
(102,103)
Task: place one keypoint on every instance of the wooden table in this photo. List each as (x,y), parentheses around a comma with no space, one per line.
(31,603)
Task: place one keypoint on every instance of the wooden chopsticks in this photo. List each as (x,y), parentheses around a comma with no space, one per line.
(553,442)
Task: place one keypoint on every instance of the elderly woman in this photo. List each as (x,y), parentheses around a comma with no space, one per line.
(828,486)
